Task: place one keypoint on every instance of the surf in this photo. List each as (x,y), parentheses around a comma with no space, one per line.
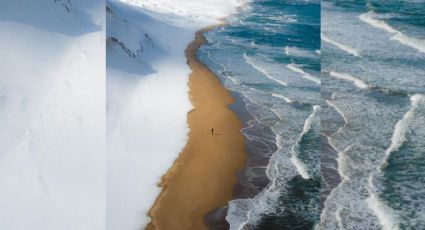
(342,47)
(370,18)
(298,52)
(347,77)
(286,99)
(261,70)
(385,214)
(338,110)
(299,165)
(305,75)
(401,129)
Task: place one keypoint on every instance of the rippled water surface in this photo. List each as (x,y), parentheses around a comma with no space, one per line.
(336,137)
(268,56)
(373,123)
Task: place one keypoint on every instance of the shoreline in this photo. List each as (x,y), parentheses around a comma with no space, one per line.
(203,176)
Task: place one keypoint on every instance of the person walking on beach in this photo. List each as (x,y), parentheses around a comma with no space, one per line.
(212,131)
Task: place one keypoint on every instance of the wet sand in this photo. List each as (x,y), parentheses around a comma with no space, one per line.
(203,176)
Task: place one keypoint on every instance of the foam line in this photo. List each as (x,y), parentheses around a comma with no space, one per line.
(301,168)
(408,41)
(347,77)
(341,158)
(299,165)
(295,51)
(309,121)
(287,50)
(287,100)
(401,128)
(370,18)
(338,110)
(345,48)
(338,218)
(261,70)
(385,214)
(305,75)
(213,59)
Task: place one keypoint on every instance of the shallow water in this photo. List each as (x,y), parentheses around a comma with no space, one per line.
(268,55)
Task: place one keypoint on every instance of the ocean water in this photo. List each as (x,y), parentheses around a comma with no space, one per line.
(268,55)
(373,114)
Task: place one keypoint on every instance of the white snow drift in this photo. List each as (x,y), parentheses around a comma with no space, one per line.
(52,114)
(147,97)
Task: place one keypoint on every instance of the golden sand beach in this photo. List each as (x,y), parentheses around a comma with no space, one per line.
(203,176)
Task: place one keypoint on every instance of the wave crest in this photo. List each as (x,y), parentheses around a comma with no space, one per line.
(343,47)
(261,70)
(347,77)
(370,18)
(305,75)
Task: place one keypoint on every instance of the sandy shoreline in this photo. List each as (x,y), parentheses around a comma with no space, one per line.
(203,176)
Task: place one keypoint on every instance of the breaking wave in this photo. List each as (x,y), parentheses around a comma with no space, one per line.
(305,75)
(347,77)
(343,47)
(370,18)
(261,70)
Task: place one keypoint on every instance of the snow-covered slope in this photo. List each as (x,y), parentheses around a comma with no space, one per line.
(189,13)
(147,97)
(52,93)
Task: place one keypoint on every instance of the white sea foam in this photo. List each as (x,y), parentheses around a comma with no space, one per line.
(301,168)
(295,51)
(299,165)
(401,128)
(247,212)
(287,100)
(341,157)
(347,77)
(333,96)
(338,110)
(338,218)
(386,217)
(292,20)
(263,71)
(412,42)
(385,214)
(328,204)
(286,50)
(342,161)
(370,18)
(309,121)
(343,47)
(234,80)
(305,75)
(215,61)
(243,212)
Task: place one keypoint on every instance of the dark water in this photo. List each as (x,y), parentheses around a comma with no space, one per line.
(269,57)
(373,76)
(346,154)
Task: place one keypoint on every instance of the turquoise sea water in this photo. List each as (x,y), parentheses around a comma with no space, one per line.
(268,56)
(336,137)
